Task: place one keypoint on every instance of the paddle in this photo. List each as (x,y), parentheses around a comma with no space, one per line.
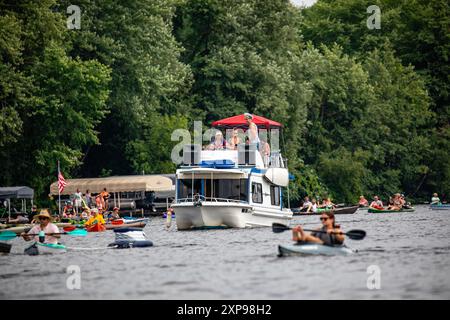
(352,234)
(9,235)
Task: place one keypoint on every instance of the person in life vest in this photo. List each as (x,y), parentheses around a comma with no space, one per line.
(376,203)
(330,235)
(96,217)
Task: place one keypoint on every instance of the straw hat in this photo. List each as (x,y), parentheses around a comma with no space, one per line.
(43,213)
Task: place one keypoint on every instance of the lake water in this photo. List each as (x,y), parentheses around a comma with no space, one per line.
(411,250)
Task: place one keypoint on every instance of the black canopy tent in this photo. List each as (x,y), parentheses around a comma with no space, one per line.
(22,192)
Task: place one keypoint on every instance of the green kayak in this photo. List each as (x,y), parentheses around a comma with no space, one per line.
(45,248)
(373,210)
(313,249)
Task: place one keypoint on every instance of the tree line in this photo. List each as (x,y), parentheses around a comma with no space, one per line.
(364,111)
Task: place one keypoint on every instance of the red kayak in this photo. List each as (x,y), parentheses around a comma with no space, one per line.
(96,228)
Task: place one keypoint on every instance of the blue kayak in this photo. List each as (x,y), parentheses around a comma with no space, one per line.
(440,207)
(313,249)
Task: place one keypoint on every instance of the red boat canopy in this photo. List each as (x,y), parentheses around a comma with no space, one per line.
(239,121)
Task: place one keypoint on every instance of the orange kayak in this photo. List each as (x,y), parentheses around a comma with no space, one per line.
(96,228)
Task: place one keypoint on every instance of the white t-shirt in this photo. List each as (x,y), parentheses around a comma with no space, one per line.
(50,228)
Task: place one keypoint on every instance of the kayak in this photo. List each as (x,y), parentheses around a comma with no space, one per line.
(344,210)
(26,227)
(313,249)
(98,227)
(139,224)
(440,207)
(45,248)
(373,210)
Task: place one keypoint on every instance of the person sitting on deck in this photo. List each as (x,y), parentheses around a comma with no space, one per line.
(235,140)
(331,232)
(219,142)
(114,215)
(44,225)
(376,203)
(435,200)
(105,196)
(96,217)
(363,202)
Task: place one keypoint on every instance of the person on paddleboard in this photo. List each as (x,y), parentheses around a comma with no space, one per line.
(331,234)
(45,226)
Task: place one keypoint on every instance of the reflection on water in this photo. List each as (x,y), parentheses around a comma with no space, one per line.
(411,249)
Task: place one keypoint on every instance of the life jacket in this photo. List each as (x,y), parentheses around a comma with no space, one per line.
(328,239)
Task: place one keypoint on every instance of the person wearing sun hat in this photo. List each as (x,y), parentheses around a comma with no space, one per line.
(46,226)
(114,215)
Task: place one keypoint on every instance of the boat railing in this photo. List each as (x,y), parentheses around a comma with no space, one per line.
(200,198)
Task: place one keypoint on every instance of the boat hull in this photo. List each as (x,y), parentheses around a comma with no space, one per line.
(313,249)
(372,210)
(234,215)
(441,207)
(346,210)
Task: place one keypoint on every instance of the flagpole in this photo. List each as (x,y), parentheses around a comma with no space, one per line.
(59,193)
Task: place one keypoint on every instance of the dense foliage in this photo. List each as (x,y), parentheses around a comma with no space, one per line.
(364,111)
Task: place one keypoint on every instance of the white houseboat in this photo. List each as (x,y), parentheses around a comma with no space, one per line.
(231,188)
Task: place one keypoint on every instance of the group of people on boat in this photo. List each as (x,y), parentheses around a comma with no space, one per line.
(252,137)
(396,202)
(89,200)
(312,206)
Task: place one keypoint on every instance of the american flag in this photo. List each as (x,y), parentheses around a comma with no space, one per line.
(61,182)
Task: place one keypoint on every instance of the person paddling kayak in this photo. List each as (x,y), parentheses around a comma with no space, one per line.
(46,226)
(331,236)
(96,217)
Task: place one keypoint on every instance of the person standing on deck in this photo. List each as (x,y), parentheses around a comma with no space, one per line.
(77,201)
(252,130)
(104,197)
(88,198)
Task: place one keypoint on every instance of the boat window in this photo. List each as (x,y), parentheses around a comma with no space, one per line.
(257,196)
(275,195)
(185,188)
(233,189)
